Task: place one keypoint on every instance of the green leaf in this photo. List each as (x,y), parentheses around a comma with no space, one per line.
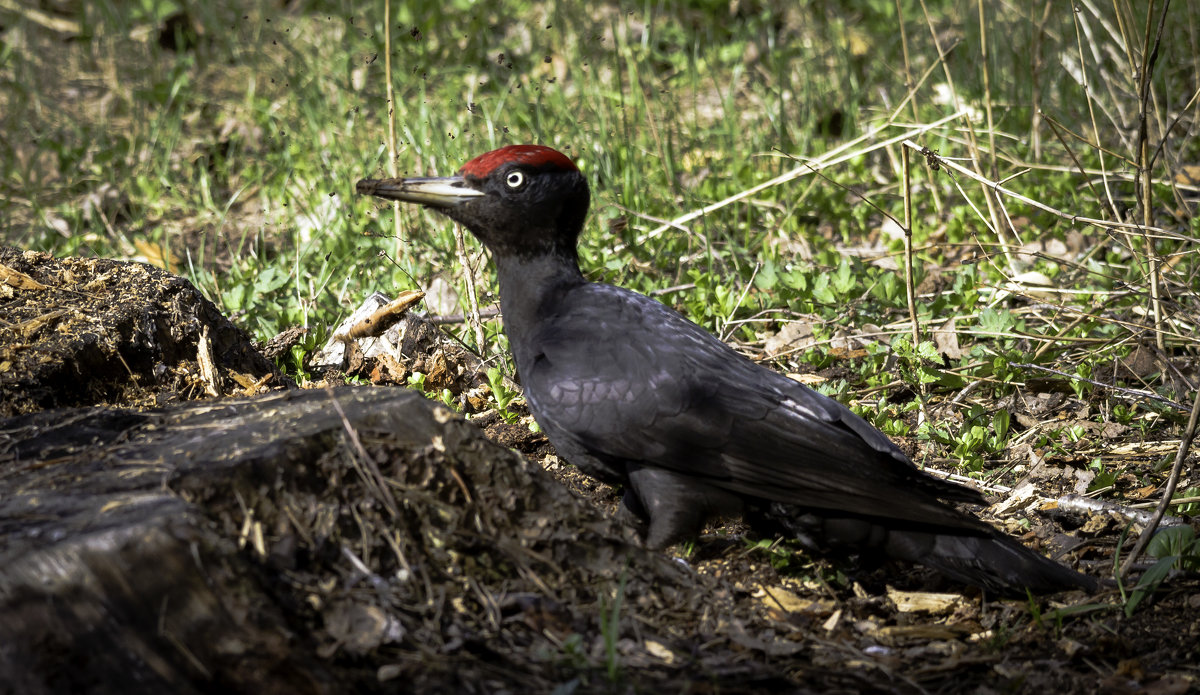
(1001,420)
(927,350)
(993,321)
(844,278)
(1172,541)
(767,277)
(821,291)
(1149,582)
(796,280)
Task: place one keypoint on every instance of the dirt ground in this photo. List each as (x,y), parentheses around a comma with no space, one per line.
(548,594)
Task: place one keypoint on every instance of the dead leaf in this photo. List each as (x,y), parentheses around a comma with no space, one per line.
(833,621)
(1130,668)
(946,340)
(1056,248)
(1140,362)
(1083,480)
(1188,175)
(660,651)
(440,374)
(29,328)
(847,345)
(158,255)
(1021,498)
(358,628)
(1097,524)
(388,370)
(1032,283)
(794,336)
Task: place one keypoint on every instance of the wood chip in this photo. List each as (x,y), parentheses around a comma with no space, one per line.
(913,601)
(18,280)
(386,316)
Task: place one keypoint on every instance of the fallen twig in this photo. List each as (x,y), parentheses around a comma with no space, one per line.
(1089,505)
(1172,481)
(1139,393)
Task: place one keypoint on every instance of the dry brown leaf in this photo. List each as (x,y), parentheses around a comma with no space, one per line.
(842,353)
(29,328)
(358,628)
(1188,175)
(157,255)
(388,370)
(1032,283)
(807,379)
(660,651)
(946,340)
(793,336)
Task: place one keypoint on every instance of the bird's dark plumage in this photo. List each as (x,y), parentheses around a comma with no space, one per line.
(633,393)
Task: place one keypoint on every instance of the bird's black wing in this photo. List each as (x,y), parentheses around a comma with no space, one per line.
(624,379)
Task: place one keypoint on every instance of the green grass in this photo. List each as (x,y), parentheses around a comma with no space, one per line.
(234,162)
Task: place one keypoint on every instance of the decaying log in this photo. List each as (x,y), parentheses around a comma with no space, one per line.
(297,542)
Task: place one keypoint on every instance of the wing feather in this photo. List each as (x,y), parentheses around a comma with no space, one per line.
(644,385)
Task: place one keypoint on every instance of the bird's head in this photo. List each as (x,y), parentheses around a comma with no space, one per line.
(520,200)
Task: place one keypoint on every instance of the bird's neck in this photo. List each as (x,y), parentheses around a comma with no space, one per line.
(531,288)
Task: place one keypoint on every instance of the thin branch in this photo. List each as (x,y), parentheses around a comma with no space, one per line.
(1172,481)
(1111,387)
(1123,227)
(1149,58)
(909,283)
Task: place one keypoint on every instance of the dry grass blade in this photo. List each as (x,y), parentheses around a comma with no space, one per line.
(830,158)
(1110,225)
(61,25)
(476,321)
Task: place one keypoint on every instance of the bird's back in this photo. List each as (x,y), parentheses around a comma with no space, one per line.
(616,377)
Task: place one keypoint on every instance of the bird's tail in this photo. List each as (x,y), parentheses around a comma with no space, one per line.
(995,562)
(973,554)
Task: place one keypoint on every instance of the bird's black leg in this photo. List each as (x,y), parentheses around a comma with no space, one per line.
(632,512)
(676,505)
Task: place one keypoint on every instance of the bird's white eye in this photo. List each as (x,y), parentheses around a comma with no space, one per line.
(515,179)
